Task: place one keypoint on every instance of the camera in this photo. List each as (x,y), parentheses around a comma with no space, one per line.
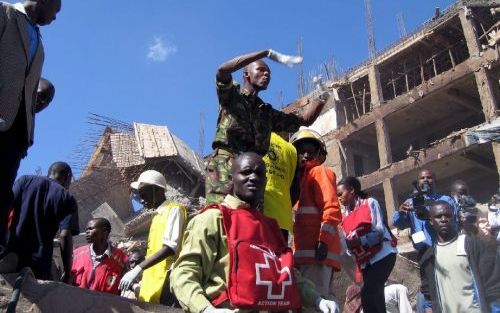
(418,199)
(467,208)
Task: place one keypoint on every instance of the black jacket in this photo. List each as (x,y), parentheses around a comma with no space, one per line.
(484,261)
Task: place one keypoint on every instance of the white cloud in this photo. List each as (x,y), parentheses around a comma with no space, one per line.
(159,50)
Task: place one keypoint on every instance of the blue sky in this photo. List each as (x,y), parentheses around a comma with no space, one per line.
(154,61)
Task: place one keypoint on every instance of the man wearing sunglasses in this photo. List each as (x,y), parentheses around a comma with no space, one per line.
(164,240)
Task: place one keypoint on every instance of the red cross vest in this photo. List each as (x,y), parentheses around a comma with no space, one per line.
(359,223)
(105,277)
(261,275)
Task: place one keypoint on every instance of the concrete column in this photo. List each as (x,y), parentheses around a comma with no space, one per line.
(384,143)
(349,162)
(469,32)
(375,86)
(486,94)
(483,81)
(335,159)
(496,153)
(391,199)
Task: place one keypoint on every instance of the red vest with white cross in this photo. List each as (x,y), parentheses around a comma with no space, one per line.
(359,223)
(105,277)
(261,273)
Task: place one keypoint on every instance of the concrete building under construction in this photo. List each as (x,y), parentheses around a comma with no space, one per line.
(430,100)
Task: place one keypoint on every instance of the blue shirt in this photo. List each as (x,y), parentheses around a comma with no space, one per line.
(33,34)
(32,31)
(409,220)
(41,208)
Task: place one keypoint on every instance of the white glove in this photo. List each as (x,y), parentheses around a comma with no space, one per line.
(211,309)
(129,277)
(327,306)
(289,60)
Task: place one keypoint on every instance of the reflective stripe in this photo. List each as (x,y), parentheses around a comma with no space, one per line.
(329,228)
(311,254)
(307,210)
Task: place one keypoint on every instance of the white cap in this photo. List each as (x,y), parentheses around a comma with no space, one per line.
(150,177)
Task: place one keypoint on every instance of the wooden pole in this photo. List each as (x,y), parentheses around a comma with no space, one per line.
(406,77)
(434,66)
(364,99)
(355,102)
(451,58)
(345,113)
(393,84)
(422,76)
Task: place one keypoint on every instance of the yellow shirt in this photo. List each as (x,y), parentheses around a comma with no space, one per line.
(281,161)
(154,277)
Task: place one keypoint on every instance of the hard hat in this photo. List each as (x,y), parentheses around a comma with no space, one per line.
(308,134)
(150,177)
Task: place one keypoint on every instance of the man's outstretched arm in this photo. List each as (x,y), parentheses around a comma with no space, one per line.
(227,68)
(314,110)
(239,62)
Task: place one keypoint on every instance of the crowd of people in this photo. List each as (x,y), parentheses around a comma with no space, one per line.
(277,227)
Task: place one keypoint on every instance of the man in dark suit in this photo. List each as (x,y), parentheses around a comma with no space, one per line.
(21,60)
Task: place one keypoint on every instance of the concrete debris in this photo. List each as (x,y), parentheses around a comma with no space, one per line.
(101,185)
(405,272)
(494,38)
(158,142)
(117,226)
(139,224)
(46,296)
(132,245)
(125,151)
(485,133)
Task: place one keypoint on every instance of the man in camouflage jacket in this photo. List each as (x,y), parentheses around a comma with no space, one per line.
(245,121)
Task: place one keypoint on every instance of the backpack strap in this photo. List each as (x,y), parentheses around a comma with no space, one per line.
(224,295)
(221,298)
(212,205)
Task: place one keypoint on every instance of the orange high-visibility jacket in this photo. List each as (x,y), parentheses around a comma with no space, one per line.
(317,215)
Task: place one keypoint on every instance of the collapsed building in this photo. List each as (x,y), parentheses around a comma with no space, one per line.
(119,157)
(429,100)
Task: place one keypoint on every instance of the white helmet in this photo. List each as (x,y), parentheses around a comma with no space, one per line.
(150,177)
